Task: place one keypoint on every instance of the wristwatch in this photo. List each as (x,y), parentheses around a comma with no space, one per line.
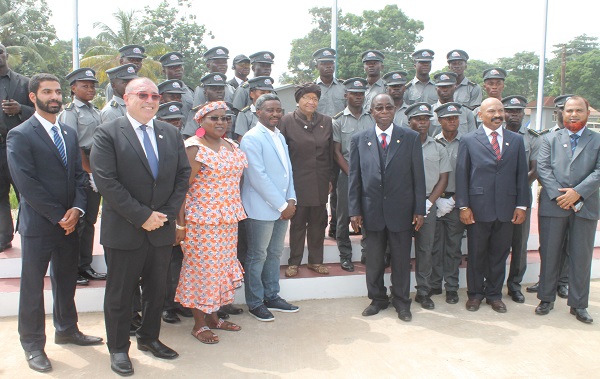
(463,208)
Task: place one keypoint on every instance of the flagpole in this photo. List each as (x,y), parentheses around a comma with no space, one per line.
(541,72)
(75,35)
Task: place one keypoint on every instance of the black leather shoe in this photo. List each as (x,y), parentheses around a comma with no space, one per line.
(76,338)
(543,308)
(185,312)
(425,301)
(582,315)
(223,315)
(91,274)
(405,315)
(435,291)
(5,246)
(473,305)
(232,309)
(38,360)
(516,296)
(497,305)
(157,348)
(373,309)
(563,291)
(170,317)
(331,233)
(534,288)
(81,281)
(121,364)
(347,265)
(451,297)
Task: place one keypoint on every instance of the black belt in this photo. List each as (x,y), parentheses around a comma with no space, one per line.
(447,195)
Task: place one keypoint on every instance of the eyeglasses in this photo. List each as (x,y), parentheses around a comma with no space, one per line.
(219,118)
(313,99)
(144,96)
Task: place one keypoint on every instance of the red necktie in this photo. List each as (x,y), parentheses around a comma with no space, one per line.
(495,145)
(383,141)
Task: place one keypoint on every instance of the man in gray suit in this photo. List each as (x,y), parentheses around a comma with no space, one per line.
(569,170)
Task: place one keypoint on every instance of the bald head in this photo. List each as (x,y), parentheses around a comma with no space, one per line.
(491,113)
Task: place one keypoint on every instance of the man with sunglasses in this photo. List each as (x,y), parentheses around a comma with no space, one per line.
(142,171)
(119,78)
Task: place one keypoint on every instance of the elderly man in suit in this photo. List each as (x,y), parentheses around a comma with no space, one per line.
(569,170)
(45,163)
(142,171)
(386,196)
(492,193)
(270,201)
(16,108)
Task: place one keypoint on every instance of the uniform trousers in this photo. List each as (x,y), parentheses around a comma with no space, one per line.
(86,229)
(424,240)
(447,252)
(518,254)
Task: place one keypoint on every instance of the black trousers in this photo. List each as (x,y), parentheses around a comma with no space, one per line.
(333,198)
(400,245)
(124,269)
(173,278)
(308,224)
(86,229)
(60,252)
(518,254)
(489,245)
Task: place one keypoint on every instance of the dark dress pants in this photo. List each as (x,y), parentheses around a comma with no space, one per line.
(124,269)
(424,240)
(518,254)
(308,224)
(173,278)
(61,252)
(6,221)
(447,252)
(333,199)
(86,229)
(489,245)
(400,245)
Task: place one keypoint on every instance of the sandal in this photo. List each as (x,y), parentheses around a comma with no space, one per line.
(228,326)
(291,271)
(319,268)
(209,341)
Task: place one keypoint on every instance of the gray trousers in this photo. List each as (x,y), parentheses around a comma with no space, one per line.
(342,232)
(518,254)
(447,253)
(424,239)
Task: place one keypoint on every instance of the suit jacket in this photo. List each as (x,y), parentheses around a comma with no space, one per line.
(558,168)
(390,196)
(267,185)
(125,181)
(492,188)
(19,91)
(47,188)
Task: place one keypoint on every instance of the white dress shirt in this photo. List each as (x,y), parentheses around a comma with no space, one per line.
(499,137)
(388,133)
(140,133)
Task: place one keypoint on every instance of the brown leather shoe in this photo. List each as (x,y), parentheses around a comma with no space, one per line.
(497,305)
(473,305)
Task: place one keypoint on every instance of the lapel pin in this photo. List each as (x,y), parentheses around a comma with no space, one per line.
(64,131)
(565,145)
(321,126)
(507,144)
(397,141)
(305,127)
(160,136)
(369,143)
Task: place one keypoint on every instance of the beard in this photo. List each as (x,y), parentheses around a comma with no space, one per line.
(574,126)
(46,107)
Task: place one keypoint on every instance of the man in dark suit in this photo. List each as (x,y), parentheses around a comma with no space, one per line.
(16,108)
(492,193)
(569,170)
(386,196)
(141,170)
(45,163)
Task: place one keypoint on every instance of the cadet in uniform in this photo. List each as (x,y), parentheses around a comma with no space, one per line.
(214,88)
(514,107)
(447,253)
(172,66)
(468,93)
(395,84)
(119,77)
(171,90)
(133,54)
(445,85)
(84,117)
(421,88)
(493,84)
(261,63)
(353,119)
(241,68)
(437,166)
(247,119)
(373,65)
(171,112)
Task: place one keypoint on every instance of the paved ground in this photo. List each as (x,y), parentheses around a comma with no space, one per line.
(330,339)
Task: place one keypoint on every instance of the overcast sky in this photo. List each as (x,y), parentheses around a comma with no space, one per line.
(487,30)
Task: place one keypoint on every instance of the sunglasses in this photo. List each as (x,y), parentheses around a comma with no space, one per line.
(144,95)
(219,118)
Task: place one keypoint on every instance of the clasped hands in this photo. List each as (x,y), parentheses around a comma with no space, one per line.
(155,221)
(357,221)
(568,200)
(69,220)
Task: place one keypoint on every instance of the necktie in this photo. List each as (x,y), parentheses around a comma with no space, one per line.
(383,141)
(150,154)
(574,138)
(495,145)
(60,145)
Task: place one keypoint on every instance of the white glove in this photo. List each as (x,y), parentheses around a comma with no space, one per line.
(92,183)
(444,206)
(428,205)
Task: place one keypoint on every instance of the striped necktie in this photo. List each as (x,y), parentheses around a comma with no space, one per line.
(495,145)
(60,145)
(383,141)
(574,138)
(150,154)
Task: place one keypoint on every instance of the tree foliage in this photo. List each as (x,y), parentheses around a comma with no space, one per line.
(388,30)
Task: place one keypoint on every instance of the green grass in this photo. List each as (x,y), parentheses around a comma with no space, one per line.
(14,203)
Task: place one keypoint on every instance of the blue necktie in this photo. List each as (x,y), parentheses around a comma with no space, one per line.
(574,138)
(60,145)
(150,154)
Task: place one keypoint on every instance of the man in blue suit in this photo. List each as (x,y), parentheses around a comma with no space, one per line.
(270,201)
(386,196)
(492,193)
(45,163)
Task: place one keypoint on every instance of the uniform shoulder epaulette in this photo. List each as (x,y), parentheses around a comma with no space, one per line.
(472,83)
(542,132)
(338,115)
(439,140)
(408,85)
(69,106)
(534,132)
(245,109)
(114,104)
(244,85)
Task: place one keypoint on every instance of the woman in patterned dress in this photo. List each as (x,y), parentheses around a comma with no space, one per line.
(209,219)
